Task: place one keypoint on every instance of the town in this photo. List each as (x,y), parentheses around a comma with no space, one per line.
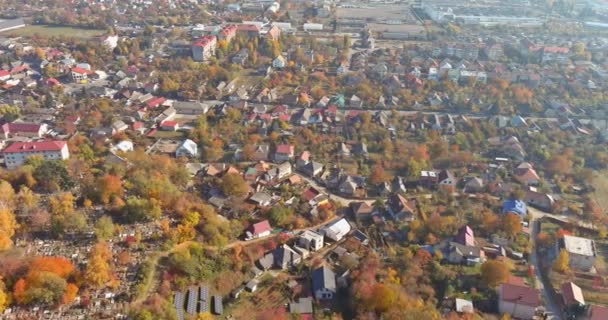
(323,159)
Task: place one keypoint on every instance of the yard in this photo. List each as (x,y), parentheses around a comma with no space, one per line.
(269,299)
(600,183)
(169,134)
(55,31)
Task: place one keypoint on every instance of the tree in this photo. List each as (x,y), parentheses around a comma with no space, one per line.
(511,224)
(378,175)
(233,184)
(8,224)
(137,209)
(27,199)
(3,296)
(7,194)
(108,186)
(494,272)
(562,262)
(279,215)
(204,316)
(52,176)
(97,273)
(104,228)
(559,164)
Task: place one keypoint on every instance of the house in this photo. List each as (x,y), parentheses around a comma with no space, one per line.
(252,285)
(187,148)
(203,48)
(399,208)
(258,230)
(465,236)
(457,253)
(355,102)
(336,230)
(169,125)
(279,62)
(361,210)
(352,186)
(284,152)
(80,75)
(261,152)
(428,179)
(20,129)
(122,146)
(285,257)
(581,251)
(446,181)
(310,240)
(190,107)
(119,126)
(302,306)
(474,185)
(572,295)
(463,306)
(597,313)
(284,170)
(518,301)
(261,199)
(539,200)
(517,207)
(241,57)
(312,169)
(526,176)
(323,283)
(17,153)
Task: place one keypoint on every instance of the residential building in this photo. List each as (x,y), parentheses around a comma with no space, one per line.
(310,240)
(227,33)
(518,301)
(79,75)
(465,236)
(581,251)
(284,152)
(554,54)
(457,253)
(204,48)
(279,62)
(17,153)
(447,181)
(187,148)
(362,211)
(572,295)
(400,208)
(20,129)
(258,230)
(285,257)
(539,200)
(517,207)
(302,306)
(597,313)
(324,283)
(336,230)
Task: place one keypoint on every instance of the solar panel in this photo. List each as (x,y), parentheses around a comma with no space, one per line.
(218,306)
(192,300)
(204,293)
(178,300)
(204,306)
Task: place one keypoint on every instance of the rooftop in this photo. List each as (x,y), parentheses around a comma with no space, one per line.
(581,246)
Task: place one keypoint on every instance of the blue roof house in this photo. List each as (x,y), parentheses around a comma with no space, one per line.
(514,206)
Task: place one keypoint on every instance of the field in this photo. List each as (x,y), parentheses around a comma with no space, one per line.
(600,183)
(54,31)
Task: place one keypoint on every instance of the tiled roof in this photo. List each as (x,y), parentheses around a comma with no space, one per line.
(35,146)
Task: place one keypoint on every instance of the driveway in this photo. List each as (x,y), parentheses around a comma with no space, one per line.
(552,307)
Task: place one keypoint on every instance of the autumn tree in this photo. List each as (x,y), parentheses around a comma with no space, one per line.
(562,262)
(107,187)
(378,175)
(511,224)
(559,164)
(52,176)
(98,273)
(233,184)
(8,224)
(494,272)
(45,281)
(4,299)
(138,209)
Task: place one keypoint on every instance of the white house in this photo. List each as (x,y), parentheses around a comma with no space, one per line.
(279,62)
(17,153)
(123,146)
(310,240)
(336,230)
(187,148)
(581,252)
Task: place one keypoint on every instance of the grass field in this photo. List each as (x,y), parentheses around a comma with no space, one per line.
(54,31)
(600,183)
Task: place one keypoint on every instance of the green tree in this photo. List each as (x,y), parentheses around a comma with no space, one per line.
(104,228)
(52,176)
(279,215)
(138,210)
(233,184)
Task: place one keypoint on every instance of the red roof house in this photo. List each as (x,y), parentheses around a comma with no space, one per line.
(260,229)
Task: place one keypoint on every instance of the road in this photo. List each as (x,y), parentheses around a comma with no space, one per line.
(552,307)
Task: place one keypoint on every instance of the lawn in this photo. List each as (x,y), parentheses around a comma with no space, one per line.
(600,183)
(54,31)
(169,134)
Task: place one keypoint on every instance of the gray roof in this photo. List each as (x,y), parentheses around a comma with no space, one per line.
(301,306)
(285,256)
(323,278)
(11,24)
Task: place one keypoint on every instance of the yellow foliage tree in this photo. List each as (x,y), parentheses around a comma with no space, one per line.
(8,224)
(204,316)
(561,263)
(3,296)
(97,273)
